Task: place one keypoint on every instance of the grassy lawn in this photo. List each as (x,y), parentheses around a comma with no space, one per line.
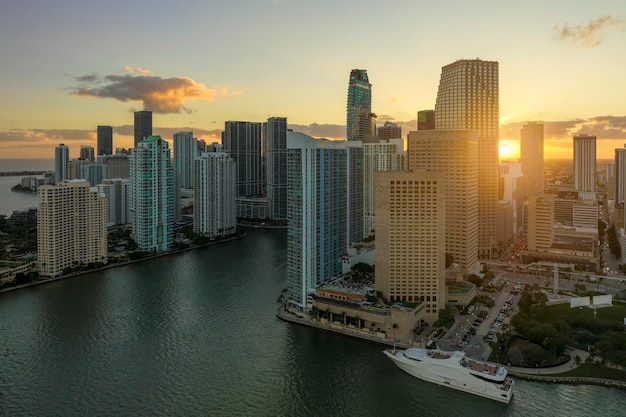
(588,370)
(613,314)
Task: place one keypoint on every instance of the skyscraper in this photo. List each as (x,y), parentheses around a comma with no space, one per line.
(454,153)
(426,120)
(620,175)
(242,140)
(410,238)
(71,226)
(143,125)
(86,153)
(389,131)
(531,157)
(276,166)
(359,103)
(185,151)
(214,211)
(105,140)
(61,161)
(584,163)
(386,155)
(317,215)
(468,99)
(151,193)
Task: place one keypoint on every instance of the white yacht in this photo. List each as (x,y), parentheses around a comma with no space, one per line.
(454,370)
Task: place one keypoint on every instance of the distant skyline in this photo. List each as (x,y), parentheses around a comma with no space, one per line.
(68,67)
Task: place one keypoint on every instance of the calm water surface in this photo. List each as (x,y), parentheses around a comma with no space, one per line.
(196,334)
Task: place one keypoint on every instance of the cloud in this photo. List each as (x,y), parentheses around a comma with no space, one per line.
(317,130)
(138,70)
(589,35)
(161,95)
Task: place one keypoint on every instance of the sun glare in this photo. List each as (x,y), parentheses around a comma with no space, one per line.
(509,150)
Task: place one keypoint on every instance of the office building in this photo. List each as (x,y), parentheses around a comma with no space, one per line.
(151,195)
(510,189)
(317,186)
(276,166)
(104,142)
(185,151)
(143,125)
(95,173)
(426,120)
(410,238)
(71,227)
(117,163)
(389,131)
(61,161)
(619,175)
(584,163)
(86,152)
(116,191)
(454,154)
(214,213)
(359,104)
(531,158)
(242,141)
(467,98)
(75,168)
(386,155)
(611,179)
(540,222)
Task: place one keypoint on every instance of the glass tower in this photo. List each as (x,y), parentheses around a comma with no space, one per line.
(359,100)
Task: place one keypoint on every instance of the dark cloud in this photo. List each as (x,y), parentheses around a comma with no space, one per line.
(161,95)
(588,35)
(168,132)
(42,136)
(321,130)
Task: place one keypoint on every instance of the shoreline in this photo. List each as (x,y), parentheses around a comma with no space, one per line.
(533,377)
(118,264)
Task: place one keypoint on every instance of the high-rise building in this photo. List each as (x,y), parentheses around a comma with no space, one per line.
(389,131)
(214,211)
(510,190)
(317,216)
(61,160)
(71,226)
(86,152)
(359,101)
(276,166)
(468,99)
(75,168)
(105,140)
(95,173)
(143,125)
(364,127)
(151,195)
(531,158)
(386,155)
(584,163)
(354,191)
(242,141)
(540,222)
(453,153)
(117,163)
(410,238)
(426,120)
(185,151)
(116,192)
(620,175)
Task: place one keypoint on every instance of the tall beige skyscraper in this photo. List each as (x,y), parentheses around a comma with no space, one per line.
(71,226)
(585,163)
(531,158)
(410,238)
(468,99)
(454,153)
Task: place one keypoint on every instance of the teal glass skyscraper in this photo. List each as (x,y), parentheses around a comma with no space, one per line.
(359,100)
